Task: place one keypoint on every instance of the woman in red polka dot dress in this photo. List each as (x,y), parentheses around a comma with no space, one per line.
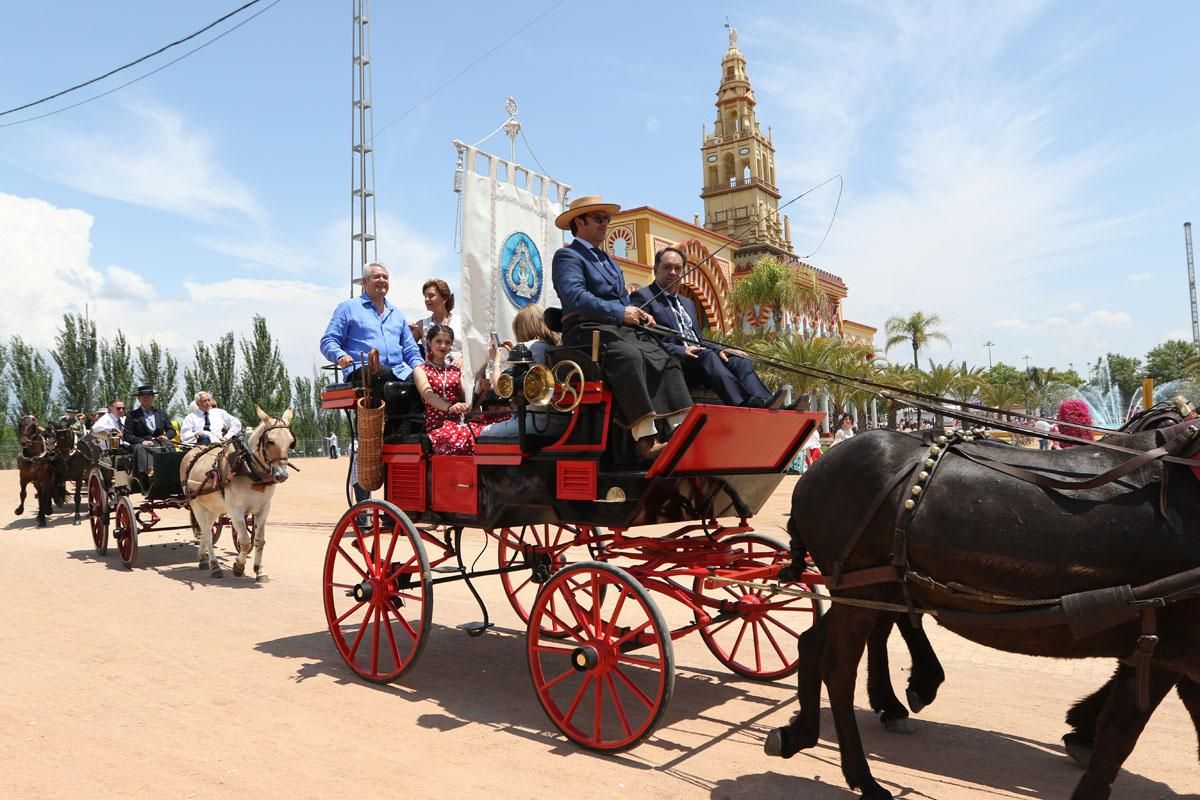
(444,393)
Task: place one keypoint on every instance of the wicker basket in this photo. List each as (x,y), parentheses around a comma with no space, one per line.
(370,446)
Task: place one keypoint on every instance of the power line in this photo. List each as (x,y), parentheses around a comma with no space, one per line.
(467,68)
(175,60)
(133,63)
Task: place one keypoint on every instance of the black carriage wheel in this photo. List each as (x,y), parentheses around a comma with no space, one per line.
(98,510)
(756,636)
(125,530)
(377,590)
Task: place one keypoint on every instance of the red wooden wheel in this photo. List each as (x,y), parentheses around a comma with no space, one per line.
(607,682)
(757,632)
(378,595)
(98,510)
(545,549)
(125,530)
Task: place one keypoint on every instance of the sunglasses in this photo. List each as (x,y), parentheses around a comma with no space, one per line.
(600,219)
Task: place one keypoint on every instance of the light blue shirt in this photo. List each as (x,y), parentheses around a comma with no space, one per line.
(356,328)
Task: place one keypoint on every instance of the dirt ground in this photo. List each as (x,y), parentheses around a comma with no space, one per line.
(165,682)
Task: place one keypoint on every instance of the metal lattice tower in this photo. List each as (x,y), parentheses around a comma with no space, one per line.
(1187,235)
(363,249)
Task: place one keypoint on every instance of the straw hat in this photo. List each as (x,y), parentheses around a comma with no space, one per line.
(585,204)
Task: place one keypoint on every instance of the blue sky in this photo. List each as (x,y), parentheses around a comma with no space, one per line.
(1022,169)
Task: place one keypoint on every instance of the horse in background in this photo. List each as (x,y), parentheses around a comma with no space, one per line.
(74,456)
(36,465)
(237,480)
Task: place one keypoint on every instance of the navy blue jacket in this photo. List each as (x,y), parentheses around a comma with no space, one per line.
(587,289)
(140,426)
(657,304)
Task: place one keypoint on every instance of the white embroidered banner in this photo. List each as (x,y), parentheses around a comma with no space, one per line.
(508,242)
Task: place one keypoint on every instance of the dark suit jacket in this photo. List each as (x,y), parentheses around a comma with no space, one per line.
(589,290)
(140,426)
(655,302)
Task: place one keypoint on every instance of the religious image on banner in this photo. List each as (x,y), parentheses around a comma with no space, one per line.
(508,241)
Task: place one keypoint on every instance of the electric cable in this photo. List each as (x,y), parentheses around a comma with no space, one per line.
(133,63)
(175,60)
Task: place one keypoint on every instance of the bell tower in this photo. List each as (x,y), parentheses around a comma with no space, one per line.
(740,196)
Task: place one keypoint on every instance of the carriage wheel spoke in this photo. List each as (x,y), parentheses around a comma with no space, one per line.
(402,568)
(577,611)
(641,661)
(552,683)
(351,562)
(616,614)
(578,696)
(356,607)
(632,633)
(722,626)
(612,691)
(375,641)
(574,632)
(774,644)
(362,629)
(392,545)
(783,627)
(598,723)
(551,648)
(757,647)
(738,641)
(388,612)
(646,701)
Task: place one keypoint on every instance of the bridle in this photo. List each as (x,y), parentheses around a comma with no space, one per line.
(259,457)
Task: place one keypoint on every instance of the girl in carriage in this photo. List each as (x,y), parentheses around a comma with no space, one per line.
(446,397)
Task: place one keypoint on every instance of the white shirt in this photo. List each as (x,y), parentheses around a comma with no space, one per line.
(221,426)
(842,435)
(333,439)
(105,425)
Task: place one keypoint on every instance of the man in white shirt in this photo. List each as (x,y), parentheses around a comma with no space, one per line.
(208,424)
(333,445)
(113,421)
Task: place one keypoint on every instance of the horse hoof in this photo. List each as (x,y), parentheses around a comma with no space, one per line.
(779,743)
(262,578)
(204,563)
(217,573)
(239,570)
(1078,748)
(876,792)
(898,724)
(41,523)
(916,703)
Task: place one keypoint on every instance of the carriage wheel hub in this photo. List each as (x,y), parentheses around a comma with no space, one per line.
(751,607)
(362,592)
(585,658)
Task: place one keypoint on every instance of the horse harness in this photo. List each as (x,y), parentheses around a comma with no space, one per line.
(235,458)
(1085,613)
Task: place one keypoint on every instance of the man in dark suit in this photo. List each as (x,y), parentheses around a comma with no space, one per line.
(646,381)
(146,430)
(726,371)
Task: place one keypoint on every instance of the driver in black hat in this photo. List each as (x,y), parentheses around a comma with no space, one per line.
(146,430)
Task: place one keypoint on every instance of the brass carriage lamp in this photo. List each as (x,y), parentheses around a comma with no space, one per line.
(1185,408)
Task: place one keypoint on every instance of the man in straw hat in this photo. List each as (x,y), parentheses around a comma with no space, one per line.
(646,381)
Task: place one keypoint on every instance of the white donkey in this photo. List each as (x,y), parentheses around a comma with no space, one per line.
(234,479)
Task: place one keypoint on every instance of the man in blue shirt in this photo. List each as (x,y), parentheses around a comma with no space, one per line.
(368,322)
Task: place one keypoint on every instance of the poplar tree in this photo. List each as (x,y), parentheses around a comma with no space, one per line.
(264,378)
(116,369)
(158,368)
(31,379)
(5,431)
(76,354)
(214,371)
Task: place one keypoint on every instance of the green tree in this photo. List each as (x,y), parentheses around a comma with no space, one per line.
(1002,373)
(917,329)
(264,378)
(1126,373)
(158,368)
(785,288)
(214,370)
(116,369)
(941,380)
(75,352)
(305,424)
(6,431)
(1168,361)
(32,381)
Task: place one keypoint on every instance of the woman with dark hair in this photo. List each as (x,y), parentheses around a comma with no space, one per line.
(845,430)
(447,397)
(439,302)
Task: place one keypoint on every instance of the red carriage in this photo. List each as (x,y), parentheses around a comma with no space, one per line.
(567,514)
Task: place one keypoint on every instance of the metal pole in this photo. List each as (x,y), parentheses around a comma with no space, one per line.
(989,344)
(1187,235)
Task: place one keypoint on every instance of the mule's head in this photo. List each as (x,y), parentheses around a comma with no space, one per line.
(271,442)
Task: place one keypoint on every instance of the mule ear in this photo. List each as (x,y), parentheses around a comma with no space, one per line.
(287,417)
(262,415)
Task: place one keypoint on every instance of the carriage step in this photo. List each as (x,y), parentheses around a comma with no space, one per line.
(475,628)
(450,568)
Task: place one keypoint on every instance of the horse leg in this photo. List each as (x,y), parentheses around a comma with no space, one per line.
(44,498)
(849,630)
(804,729)
(1189,693)
(242,539)
(260,541)
(20,509)
(884,702)
(1083,718)
(205,517)
(1120,724)
(78,483)
(927,673)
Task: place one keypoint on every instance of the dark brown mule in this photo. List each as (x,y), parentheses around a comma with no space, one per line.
(992,532)
(35,465)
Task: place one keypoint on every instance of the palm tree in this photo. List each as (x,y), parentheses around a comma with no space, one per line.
(941,380)
(900,376)
(785,288)
(918,329)
(820,352)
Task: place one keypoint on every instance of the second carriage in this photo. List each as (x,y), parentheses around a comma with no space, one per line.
(585,539)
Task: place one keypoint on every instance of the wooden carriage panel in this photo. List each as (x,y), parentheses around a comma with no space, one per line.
(455,485)
(342,396)
(730,439)
(576,480)
(406,485)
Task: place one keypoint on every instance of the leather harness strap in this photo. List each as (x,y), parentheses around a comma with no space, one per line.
(1045,481)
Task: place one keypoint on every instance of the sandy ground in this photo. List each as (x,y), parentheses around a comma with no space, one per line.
(165,682)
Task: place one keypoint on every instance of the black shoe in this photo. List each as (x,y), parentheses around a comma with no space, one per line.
(777,399)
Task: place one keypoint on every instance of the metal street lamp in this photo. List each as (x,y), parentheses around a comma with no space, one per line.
(989,344)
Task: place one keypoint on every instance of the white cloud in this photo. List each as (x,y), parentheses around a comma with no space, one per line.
(151,157)
(651,124)
(1073,307)
(1012,324)
(1108,319)
(1138,277)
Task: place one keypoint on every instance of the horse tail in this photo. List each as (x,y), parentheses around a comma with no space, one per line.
(798,549)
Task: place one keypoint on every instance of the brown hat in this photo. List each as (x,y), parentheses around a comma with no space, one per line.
(589,202)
